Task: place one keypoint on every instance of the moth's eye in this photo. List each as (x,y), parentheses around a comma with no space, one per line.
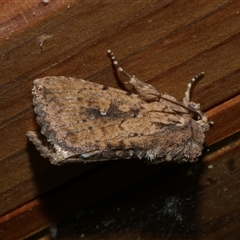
(196,115)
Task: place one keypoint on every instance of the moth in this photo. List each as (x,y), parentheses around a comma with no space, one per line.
(82,121)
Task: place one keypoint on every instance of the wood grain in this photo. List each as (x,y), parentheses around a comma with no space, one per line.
(165,43)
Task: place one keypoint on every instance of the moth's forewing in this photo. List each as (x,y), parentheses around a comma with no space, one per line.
(85,121)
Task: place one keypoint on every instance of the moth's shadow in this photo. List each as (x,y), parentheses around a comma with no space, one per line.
(164,204)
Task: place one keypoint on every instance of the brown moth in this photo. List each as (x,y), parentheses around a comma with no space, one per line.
(83,121)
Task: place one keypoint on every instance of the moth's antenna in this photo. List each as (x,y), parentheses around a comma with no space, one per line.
(115,63)
(186,99)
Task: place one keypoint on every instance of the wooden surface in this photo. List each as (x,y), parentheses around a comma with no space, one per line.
(164,43)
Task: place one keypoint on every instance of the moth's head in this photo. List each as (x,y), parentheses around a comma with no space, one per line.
(200,118)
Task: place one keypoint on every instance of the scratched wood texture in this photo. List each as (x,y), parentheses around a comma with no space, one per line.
(164,43)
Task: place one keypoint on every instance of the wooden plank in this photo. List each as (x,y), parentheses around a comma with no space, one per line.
(165,43)
(229,123)
(17,17)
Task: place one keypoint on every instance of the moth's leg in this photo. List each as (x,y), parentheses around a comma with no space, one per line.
(186,99)
(144,90)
